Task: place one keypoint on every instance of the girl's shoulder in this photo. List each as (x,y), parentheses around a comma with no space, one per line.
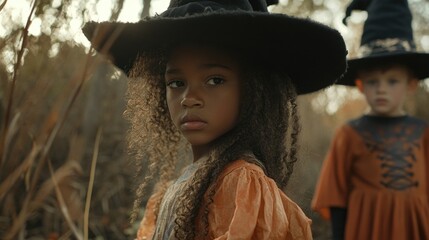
(244,187)
(243,164)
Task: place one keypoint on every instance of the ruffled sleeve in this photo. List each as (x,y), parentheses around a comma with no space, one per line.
(332,189)
(249,205)
(147,224)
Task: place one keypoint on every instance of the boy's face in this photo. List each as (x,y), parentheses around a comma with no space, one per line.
(386,89)
(203,94)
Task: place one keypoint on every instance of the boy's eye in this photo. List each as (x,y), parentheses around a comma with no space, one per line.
(393,81)
(215,81)
(175,84)
(371,82)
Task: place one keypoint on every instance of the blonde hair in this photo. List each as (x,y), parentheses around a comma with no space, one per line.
(268,111)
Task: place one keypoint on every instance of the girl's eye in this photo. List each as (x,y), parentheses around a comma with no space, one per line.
(175,84)
(215,81)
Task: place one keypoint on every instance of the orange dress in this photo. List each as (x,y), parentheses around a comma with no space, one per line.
(378,169)
(247,205)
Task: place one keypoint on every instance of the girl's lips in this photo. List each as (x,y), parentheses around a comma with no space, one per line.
(192,125)
(191,122)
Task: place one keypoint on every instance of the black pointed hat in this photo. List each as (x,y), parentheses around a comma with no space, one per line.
(312,54)
(387,38)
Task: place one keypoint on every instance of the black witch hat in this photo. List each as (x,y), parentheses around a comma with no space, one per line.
(312,54)
(387,38)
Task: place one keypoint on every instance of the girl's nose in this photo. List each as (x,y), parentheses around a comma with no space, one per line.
(190,102)
(191,99)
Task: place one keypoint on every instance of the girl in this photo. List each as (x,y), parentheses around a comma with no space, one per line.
(219,77)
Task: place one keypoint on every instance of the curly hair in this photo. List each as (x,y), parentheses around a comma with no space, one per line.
(268,111)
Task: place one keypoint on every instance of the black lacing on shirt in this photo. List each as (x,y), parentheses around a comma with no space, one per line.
(394,140)
(398,174)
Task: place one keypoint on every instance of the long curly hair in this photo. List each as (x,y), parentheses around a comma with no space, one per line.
(268,127)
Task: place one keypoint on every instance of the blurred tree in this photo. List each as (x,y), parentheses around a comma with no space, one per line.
(146,9)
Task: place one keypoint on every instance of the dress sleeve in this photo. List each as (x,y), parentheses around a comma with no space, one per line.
(147,224)
(332,188)
(249,205)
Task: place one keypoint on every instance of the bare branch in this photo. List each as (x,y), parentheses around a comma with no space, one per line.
(15,73)
(91,185)
(63,205)
(2,5)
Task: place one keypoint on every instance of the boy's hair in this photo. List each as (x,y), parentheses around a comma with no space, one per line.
(268,127)
(385,65)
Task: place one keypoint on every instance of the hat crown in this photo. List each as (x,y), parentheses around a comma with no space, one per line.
(243,25)
(387,29)
(387,19)
(180,8)
(387,38)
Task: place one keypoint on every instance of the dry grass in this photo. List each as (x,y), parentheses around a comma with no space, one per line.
(43,188)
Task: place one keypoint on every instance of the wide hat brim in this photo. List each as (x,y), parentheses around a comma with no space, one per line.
(417,62)
(312,54)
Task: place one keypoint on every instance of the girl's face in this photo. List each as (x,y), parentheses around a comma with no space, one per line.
(203,94)
(386,90)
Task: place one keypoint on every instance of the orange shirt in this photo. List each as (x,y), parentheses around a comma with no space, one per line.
(247,205)
(378,169)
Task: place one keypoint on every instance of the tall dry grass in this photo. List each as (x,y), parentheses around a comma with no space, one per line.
(58,175)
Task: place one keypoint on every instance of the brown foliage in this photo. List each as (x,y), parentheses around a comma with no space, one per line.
(48,144)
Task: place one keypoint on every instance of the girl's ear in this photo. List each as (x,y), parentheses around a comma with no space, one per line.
(412,84)
(359,84)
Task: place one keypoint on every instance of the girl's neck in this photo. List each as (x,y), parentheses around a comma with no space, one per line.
(200,152)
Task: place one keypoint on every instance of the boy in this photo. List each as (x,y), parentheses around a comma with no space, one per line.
(374,183)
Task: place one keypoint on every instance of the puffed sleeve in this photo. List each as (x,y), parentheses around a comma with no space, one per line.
(332,188)
(147,224)
(249,205)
